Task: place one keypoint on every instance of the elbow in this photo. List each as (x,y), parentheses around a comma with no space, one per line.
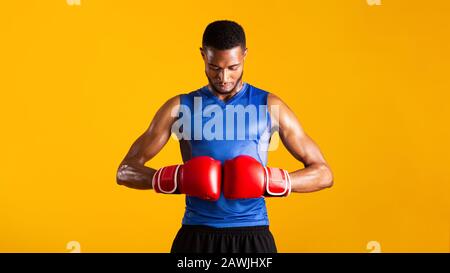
(118,181)
(328,177)
(329,184)
(120,175)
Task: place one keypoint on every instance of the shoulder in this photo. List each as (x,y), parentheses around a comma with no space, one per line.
(280,112)
(272,98)
(169,109)
(275,100)
(173,101)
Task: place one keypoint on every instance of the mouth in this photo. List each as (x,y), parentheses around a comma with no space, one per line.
(224,86)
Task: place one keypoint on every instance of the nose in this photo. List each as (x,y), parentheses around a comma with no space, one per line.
(223,75)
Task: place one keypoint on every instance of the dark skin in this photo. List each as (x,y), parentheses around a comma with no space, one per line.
(224,70)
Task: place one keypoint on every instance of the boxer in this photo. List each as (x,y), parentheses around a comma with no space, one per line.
(224,130)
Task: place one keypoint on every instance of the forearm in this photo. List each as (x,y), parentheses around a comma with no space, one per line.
(312,178)
(135,175)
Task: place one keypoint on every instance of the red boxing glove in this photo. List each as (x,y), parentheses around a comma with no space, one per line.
(200,177)
(245,177)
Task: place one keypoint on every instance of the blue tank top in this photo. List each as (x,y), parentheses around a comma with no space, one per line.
(240,134)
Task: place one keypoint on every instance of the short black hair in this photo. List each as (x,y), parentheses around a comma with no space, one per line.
(224,34)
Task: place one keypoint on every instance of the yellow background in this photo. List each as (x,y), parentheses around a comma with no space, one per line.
(370,84)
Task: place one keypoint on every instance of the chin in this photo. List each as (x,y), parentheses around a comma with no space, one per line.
(221,91)
(225,91)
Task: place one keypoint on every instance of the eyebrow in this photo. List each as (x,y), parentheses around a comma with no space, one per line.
(228,66)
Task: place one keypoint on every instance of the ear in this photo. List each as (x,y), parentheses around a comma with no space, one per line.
(202,52)
(245,53)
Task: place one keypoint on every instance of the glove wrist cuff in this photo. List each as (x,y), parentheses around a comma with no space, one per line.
(165,180)
(278,182)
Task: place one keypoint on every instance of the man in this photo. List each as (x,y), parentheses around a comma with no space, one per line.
(224,130)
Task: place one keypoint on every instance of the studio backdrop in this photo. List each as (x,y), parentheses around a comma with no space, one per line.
(369,81)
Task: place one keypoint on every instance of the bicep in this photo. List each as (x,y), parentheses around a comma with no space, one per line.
(156,136)
(293,136)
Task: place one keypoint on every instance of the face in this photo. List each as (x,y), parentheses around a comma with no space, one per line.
(224,68)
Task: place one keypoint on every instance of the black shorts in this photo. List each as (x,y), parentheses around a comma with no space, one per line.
(206,239)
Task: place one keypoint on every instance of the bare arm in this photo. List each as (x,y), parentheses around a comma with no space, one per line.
(132,172)
(316,175)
